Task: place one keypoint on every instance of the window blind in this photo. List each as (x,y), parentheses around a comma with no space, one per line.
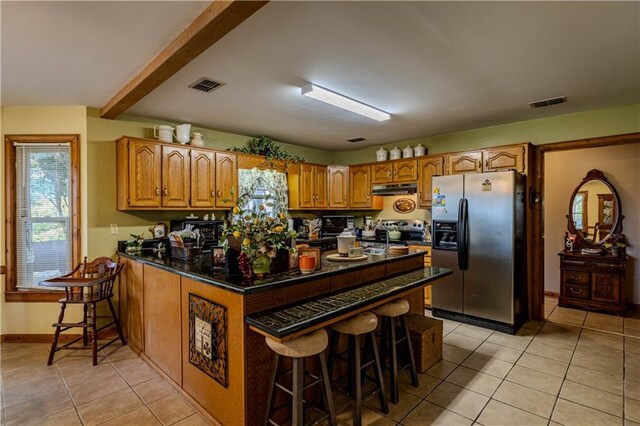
(43,212)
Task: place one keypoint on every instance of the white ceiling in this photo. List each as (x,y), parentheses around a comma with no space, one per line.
(436,67)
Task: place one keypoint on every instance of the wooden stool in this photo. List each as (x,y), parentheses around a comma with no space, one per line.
(298,349)
(87,284)
(354,327)
(389,312)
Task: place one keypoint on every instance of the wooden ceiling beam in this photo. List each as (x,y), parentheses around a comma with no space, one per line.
(219,19)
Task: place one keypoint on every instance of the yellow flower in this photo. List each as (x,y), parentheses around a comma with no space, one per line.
(247,218)
(261,206)
(278,229)
(256,221)
(281,216)
(236,210)
(246,242)
(236,234)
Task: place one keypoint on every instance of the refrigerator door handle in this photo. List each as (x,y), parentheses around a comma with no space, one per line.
(463,234)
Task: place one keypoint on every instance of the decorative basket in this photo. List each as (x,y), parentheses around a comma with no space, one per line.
(188,253)
(426,339)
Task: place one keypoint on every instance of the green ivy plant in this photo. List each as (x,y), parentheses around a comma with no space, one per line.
(270,150)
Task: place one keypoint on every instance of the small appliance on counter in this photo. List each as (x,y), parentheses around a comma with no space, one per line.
(332,226)
(211,230)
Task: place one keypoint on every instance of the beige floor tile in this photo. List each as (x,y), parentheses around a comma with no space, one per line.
(109,407)
(632,410)
(568,316)
(535,380)
(67,417)
(500,352)
(608,340)
(37,408)
(139,417)
(449,326)
(26,391)
(488,365)
(136,374)
(194,420)
(598,363)
(604,322)
(632,372)
(462,341)
(632,359)
(430,414)
(89,390)
(77,375)
(473,380)
(459,400)
(592,397)
(441,369)
(473,331)
(525,398)
(603,351)
(454,354)
(632,345)
(632,327)
(571,414)
(369,417)
(595,379)
(396,411)
(171,408)
(561,330)
(511,341)
(499,414)
(556,341)
(154,389)
(551,352)
(533,325)
(632,389)
(426,382)
(628,422)
(545,365)
(20,375)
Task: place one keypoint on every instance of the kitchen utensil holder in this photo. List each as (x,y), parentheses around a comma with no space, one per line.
(188,253)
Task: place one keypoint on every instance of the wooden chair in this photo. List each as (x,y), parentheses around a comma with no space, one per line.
(103,271)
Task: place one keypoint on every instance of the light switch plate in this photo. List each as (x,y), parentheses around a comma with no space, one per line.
(114,228)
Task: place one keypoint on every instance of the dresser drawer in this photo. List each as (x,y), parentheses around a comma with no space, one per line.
(575,277)
(575,291)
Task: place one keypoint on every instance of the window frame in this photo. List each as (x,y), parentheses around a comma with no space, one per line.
(11,293)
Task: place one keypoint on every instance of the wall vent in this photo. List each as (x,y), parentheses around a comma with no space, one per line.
(548,102)
(354,140)
(205,85)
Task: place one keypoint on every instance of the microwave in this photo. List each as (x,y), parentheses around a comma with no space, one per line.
(334,225)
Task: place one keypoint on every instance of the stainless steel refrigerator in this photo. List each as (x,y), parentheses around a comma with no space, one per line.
(478,231)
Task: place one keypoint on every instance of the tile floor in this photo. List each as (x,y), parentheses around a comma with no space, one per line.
(573,368)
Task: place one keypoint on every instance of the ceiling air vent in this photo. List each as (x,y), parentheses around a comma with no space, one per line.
(206,85)
(547,102)
(354,140)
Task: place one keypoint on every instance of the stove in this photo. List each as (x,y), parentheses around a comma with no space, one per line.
(410,230)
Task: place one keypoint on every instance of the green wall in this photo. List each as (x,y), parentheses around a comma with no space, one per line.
(581,125)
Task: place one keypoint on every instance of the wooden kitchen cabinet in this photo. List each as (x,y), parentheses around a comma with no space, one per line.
(130,301)
(427,262)
(360,187)
(163,321)
(175,177)
(338,187)
(322,201)
(505,158)
(593,282)
(139,166)
(226,179)
(382,172)
(308,187)
(203,178)
(427,168)
(464,162)
(394,171)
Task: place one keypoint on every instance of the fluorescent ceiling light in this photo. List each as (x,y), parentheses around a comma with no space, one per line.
(336,99)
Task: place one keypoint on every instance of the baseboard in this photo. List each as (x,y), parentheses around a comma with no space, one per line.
(553,294)
(36,338)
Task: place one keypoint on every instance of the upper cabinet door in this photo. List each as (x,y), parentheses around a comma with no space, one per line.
(504,159)
(405,171)
(175,176)
(360,187)
(307,186)
(382,173)
(427,168)
(203,178)
(338,187)
(226,178)
(320,173)
(466,162)
(145,160)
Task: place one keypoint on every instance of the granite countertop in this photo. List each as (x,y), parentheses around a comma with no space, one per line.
(282,322)
(204,271)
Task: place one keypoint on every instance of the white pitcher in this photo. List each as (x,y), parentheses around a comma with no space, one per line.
(198,139)
(183,133)
(163,133)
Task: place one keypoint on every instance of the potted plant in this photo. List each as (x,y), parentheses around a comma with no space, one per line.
(616,243)
(135,245)
(270,150)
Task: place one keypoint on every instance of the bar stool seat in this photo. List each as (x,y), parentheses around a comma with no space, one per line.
(365,324)
(312,344)
(392,309)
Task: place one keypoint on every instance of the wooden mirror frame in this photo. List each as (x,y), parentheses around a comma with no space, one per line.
(616,227)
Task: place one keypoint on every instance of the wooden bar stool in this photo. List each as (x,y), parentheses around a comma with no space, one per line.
(88,284)
(354,327)
(298,349)
(389,313)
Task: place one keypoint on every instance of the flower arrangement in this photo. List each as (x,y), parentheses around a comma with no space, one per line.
(135,245)
(272,151)
(260,234)
(615,242)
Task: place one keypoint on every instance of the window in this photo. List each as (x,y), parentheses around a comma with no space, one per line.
(579,211)
(42,203)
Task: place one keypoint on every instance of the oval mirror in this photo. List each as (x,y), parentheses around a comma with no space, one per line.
(594,209)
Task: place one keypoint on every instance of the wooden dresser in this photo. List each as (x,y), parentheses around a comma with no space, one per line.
(593,282)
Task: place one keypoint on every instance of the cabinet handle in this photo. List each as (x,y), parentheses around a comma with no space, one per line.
(218,193)
(419,195)
(345,198)
(574,277)
(575,291)
(157,192)
(213,193)
(368,196)
(486,163)
(165,192)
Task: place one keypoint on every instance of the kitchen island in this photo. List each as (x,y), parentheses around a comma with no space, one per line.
(204,329)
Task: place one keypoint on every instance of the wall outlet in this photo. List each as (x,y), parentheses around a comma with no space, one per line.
(114,228)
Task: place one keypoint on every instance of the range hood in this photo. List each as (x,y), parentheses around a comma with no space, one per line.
(395,189)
